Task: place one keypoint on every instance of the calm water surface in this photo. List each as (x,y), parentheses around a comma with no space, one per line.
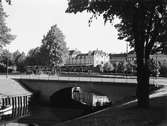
(40,116)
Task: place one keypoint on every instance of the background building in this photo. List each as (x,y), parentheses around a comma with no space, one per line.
(117,58)
(85,61)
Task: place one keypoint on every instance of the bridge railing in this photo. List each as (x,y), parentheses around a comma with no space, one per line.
(120,79)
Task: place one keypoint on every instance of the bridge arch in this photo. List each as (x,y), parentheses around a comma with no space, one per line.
(47,88)
(63,98)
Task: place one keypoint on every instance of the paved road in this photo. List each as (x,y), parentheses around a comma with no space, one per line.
(115,79)
(11,87)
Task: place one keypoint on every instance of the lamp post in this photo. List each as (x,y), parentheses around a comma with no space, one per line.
(7,67)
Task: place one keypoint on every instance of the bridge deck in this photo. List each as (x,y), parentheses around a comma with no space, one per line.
(112,78)
(11,87)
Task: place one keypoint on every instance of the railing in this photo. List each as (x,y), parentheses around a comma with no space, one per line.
(122,79)
(16,101)
(99,78)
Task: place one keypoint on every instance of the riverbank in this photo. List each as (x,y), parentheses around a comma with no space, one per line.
(12,93)
(128,114)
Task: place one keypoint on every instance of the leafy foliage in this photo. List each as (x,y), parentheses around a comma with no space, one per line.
(54,46)
(108,67)
(5,60)
(51,53)
(8,1)
(143,23)
(163,69)
(33,57)
(18,59)
(5,36)
(154,67)
(155,17)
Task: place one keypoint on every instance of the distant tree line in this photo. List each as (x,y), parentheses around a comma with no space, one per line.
(51,53)
(155,68)
(17,62)
(119,67)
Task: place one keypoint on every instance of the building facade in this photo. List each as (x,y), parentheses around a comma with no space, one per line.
(85,60)
(117,58)
(131,58)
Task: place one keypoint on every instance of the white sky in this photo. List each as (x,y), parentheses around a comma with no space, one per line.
(29,20)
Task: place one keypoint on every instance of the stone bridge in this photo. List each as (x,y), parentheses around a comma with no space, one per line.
(46,88)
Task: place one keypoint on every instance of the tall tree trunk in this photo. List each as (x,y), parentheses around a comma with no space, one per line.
(142,91)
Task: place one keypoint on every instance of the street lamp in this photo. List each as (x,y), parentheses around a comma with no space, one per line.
(6,67)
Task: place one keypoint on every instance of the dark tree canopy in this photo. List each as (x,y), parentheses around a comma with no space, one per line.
(34,57)
(143,24)
(18,59)
(5,57)
(154,10)
(8,1)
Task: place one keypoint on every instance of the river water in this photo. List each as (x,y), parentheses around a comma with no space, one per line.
(40,116)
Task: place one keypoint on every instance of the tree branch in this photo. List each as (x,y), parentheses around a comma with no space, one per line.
(152,41)
(150,26)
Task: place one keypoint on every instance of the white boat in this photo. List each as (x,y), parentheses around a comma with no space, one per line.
(90,99)
(4,109)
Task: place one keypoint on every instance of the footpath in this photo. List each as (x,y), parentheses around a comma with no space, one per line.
(128,114)
(11,87)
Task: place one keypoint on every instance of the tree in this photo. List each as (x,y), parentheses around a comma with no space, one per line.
(131,67)
(143,23)
(6,55)
(33,57)
(15,57)
(108,67)
(163,69)
(5,36)
(120,67)
(7,1)
(54,47)
(154,67)
(99,68)
(5,60)
(18,59)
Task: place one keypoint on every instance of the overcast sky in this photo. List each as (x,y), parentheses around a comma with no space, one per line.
(29,20)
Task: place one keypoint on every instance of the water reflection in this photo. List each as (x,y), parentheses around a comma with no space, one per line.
(14,115)
(18,124)
(45,115)
(66,104)
(39,116)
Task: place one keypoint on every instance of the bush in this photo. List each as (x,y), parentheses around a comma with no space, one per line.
(163,70)
(108,67)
